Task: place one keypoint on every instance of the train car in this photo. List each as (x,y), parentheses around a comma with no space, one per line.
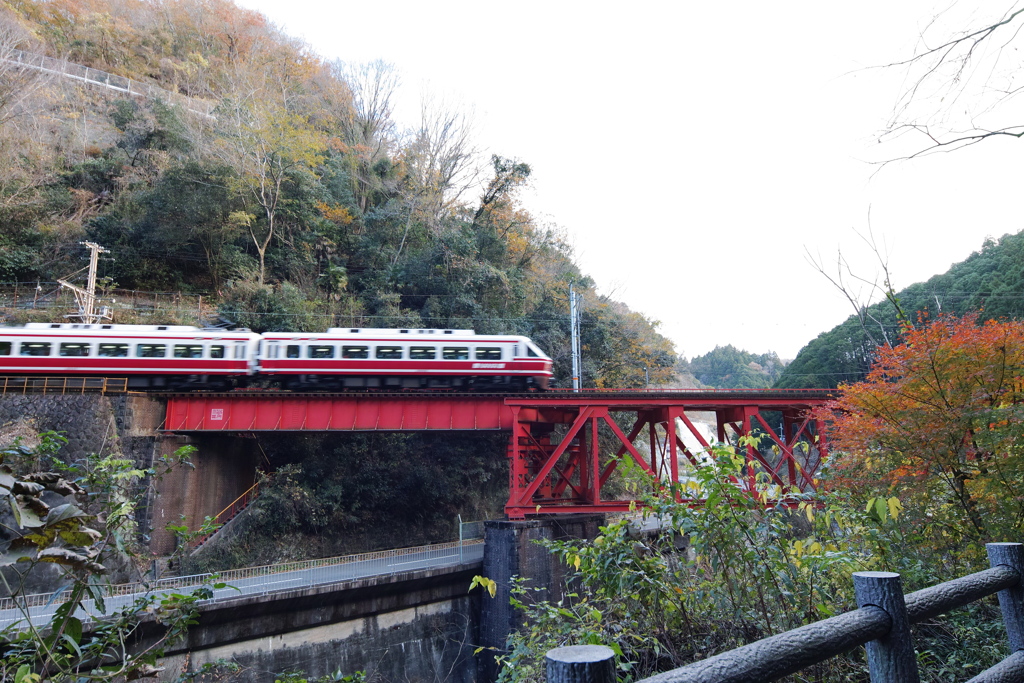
(356,358)
(150,356)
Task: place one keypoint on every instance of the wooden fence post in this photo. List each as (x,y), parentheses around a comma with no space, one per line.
(1011,600)
(581,664)
(890,659)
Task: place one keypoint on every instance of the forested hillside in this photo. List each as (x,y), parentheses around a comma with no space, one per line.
(727,367)
(990,280)
(299,204)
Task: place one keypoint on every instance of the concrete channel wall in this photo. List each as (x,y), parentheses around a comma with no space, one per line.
(416,627)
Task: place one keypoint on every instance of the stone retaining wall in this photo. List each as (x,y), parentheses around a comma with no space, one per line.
(223,468)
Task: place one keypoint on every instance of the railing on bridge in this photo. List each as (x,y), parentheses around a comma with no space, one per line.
(882,624)
(23,384)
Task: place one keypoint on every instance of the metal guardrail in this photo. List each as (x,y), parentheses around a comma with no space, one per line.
(109,81)
(26,384)
(379,563)
(137,306)
(471,530)
(882,624)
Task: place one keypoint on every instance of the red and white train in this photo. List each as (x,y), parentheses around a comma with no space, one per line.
(178,356)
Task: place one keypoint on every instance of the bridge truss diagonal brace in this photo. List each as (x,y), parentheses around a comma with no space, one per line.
(559,475)
(786,455)
(569,476)
(788,472)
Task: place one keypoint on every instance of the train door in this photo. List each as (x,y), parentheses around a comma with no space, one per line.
(268,356)
(239,355)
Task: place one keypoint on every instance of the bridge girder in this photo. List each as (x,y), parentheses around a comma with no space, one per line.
(565,449)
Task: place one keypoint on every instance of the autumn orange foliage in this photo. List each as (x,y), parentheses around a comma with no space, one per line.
(937,423)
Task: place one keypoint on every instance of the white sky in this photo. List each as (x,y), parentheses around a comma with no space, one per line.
(691,151)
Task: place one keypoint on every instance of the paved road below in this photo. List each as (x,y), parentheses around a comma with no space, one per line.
(281,581)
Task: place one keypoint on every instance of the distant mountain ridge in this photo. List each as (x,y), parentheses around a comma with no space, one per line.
(727,367)
(990,280)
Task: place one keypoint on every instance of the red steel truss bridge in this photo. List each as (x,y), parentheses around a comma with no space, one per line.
(565,447)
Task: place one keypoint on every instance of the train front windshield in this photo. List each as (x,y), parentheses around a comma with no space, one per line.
(533,352)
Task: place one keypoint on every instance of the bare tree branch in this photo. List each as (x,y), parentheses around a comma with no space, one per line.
(937,144)
(18,84)
(368,125)
(441,158)
(957,90)
(844,280)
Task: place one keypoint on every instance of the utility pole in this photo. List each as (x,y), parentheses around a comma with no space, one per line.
(86,298)
(574,329)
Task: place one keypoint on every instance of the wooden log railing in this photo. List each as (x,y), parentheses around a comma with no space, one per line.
(882,624)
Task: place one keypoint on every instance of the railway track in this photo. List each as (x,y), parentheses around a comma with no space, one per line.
(21,384)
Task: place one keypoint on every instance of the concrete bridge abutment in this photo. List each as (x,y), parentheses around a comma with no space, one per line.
(514,551)
(223,468)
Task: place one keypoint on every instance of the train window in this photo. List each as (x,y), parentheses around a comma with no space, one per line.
(273,350)
(531,353)
(320,351)
(422,353)
(188,351)
(240,350)
(74,349)
(112,350)
(455,353)
(5,348)
(355,352)
(217,351)
(34,349)
(390,352)
(488,353)
(150,350)
(292,351)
